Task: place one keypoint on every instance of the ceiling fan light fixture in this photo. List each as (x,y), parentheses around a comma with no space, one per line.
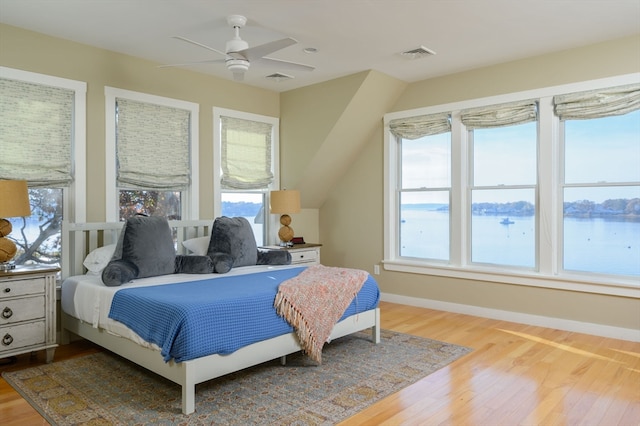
(238,54)
(236,45)
(419,52)
(237,65)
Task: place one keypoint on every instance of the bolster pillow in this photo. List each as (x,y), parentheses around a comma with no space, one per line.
(118,272)
(222,262)
(274,257)
(193,264)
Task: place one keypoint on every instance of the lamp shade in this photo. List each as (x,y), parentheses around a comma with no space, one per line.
(14,198)
(285,202)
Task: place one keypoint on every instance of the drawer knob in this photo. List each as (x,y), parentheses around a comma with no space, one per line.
(7,313)
(7,339)
(7,290)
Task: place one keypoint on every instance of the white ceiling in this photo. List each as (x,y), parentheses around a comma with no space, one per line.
(350,35)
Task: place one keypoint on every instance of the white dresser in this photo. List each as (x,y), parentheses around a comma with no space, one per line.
(28,311)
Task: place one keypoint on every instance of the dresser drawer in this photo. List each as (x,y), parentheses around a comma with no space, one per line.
(22,335)
(304,256)
(13,288)
(22,309)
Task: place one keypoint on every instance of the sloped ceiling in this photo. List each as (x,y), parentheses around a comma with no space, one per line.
(326,126)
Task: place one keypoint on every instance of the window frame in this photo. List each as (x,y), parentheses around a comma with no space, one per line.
(563,185)
(189,199)
(549,273)
(471,187)
(271,221)
(403,189)
(74,207)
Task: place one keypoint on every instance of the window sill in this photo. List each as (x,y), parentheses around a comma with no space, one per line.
(581,283)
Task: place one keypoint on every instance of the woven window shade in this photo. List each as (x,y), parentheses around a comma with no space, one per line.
(420,126)
(246,154)
(502,115)
(152,146)
(36,133)
(598,103)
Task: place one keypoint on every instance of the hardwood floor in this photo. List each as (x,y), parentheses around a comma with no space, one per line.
(516,375)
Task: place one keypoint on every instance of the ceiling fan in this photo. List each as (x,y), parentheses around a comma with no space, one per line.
(238,55)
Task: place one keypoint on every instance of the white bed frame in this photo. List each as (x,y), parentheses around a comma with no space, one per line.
(80,239)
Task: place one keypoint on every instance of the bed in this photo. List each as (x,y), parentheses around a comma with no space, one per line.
(86,303)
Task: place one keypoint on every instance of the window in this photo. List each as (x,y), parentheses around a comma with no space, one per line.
(245,167)
(601,187)
(151,166)
(503,140)
(543,198)
(425,186)
(42,134)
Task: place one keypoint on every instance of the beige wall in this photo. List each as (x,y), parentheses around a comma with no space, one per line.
(99,68)
(351,217)
(348,218)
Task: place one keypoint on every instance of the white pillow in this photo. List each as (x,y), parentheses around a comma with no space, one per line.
(198,245)
(98,259)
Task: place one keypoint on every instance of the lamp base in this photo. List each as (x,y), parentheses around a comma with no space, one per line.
(7,266)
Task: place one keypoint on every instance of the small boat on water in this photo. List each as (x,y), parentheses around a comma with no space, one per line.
(506,221)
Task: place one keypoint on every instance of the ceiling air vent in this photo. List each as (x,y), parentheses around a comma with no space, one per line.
(418,53)
(278,76)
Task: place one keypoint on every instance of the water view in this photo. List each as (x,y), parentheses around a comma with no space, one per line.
(609,245)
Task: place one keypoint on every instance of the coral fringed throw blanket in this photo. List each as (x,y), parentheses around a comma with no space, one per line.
(315,300)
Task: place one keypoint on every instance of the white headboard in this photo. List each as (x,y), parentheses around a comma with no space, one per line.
(78,239)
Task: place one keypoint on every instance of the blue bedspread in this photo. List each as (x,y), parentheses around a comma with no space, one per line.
(215,316)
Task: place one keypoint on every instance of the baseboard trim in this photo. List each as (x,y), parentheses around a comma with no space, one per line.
(517,317)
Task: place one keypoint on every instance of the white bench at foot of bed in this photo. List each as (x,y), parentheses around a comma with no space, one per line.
(189,373)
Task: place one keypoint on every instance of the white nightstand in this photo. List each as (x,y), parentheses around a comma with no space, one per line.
(302,254)
(28,311)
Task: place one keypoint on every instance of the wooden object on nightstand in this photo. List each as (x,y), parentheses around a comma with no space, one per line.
(28,311)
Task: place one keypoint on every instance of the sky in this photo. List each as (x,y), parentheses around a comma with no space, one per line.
(598,150)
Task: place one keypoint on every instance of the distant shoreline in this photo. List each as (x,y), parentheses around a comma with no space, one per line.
(624,209)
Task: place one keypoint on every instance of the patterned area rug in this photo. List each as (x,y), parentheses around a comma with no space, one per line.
(105,389)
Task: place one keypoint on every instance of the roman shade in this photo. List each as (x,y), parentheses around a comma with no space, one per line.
(36,135)
(598,103)
(508,114)
(420,126)
(152,146)
(246,161)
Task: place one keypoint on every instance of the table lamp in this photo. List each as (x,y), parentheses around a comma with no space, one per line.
(14,202)
(285,202)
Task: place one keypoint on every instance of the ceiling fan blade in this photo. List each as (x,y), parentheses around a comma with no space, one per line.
(287,64)
(258,52)
(211,61)
(199,44)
